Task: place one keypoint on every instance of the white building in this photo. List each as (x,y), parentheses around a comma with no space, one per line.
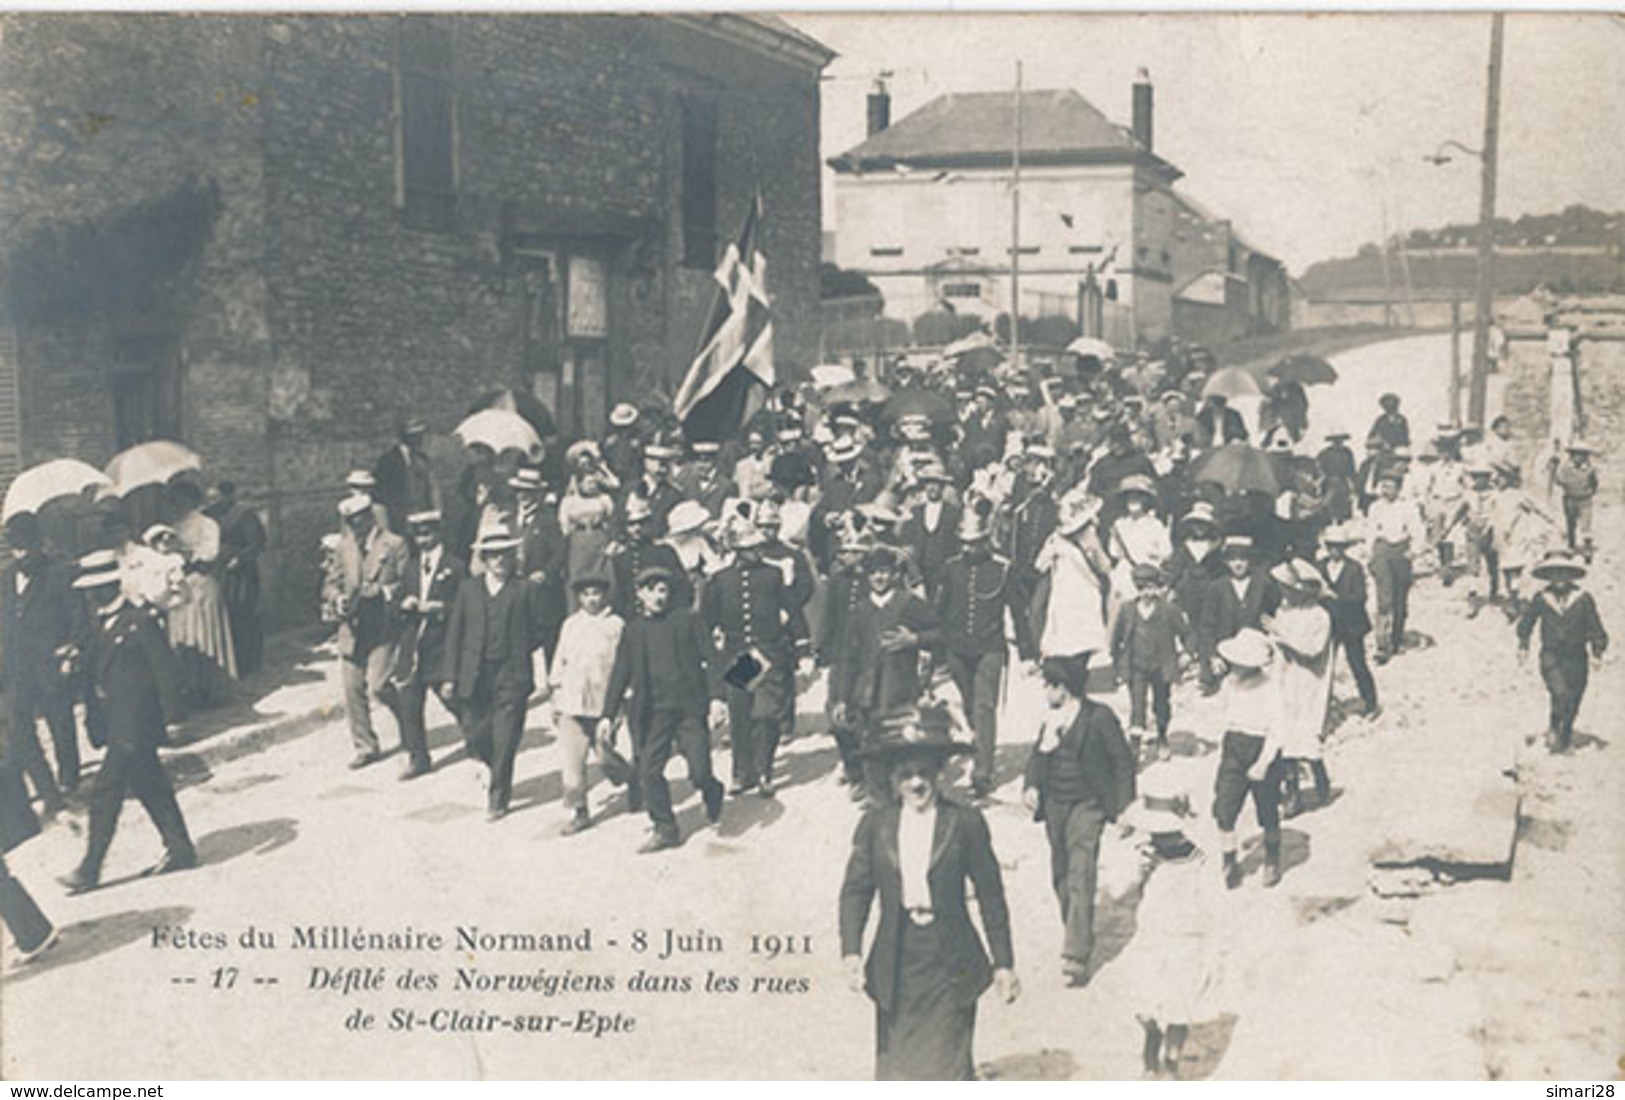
(923,209)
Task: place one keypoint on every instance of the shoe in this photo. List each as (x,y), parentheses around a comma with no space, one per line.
(173,861)
(413,771)
(660,842)
(1372,713)
(1272,873)
(51,940)
(765,788)
(1075,973)
(580,823)
(79,881)
(496,813)
(712,795)
(1232,871)
(740,788)
(365,760)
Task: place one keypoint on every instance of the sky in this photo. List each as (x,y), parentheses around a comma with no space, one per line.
(1308,131)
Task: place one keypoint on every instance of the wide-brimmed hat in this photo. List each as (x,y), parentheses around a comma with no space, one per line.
(1075,511)
(661,450)
(623,415)
(924,731)
(686,517)
(1340,534)
(588,580)
(1137,483)
(1297,574)
(1247,649)
(361,479)
(494,538)
(843,449)
(97,568)
(354,505)
(704,448)
(935,471)
(1559,565)
(580,449)
(1580,446)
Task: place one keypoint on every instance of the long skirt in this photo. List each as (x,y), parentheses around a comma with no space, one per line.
(927,1036)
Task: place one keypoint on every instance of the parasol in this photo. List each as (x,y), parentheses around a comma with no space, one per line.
(932,404)
(39,485)
(499,430)
(1238,468)
(1092,345)
(857,392)
(523,402)
(1305,370)
(152,463)
(829,375)
(1232,382)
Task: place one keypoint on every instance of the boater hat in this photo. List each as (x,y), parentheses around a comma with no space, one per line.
(1580,446)
(623,415)
(1339,534)
(1238,545)
(353,505)
(1559,565)
(527,480)
(1297,574)
(429,517)
(1247,649)
(495,538)
(96,569)
(686,517)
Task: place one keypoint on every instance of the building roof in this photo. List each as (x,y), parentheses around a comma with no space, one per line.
(768,35)
(970,129)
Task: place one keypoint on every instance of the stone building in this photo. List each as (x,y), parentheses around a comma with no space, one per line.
(273,237)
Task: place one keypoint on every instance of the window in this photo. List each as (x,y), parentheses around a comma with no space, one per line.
(699,183)
(886,250)
(1111,290)
(1084,249)
(962,290)
(1026,250)
(426,139)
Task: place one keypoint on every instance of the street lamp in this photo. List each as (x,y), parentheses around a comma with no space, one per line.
(1440,157)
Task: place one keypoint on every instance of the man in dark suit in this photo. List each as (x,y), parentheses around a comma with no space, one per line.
(404,479)
(915,852)
(764,637)
(487,671)
(427,595)
(974,592)
(930,533)
(36,620)
(1033,520)
(877,669)
(364,589)
(1345,601)
(1079,777)
(654,486)
(664,656)
(1240,599)
(543,553)
(134,675)
(636,551)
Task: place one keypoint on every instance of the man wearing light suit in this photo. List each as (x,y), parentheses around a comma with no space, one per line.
(430,590)
(364,589)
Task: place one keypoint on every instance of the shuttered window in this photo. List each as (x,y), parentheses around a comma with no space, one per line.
(426,110)
(699,199)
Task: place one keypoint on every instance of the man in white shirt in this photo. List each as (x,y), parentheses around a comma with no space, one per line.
(1396,528)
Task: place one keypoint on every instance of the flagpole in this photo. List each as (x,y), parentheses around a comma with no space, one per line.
(1015,231)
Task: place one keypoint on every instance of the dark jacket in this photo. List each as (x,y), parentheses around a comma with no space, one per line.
(1142,643)
(423,644)
(404,486)
(753,608)
(846,586)
(1226,614)
(931,549)
(961,850)
(867,676)
(1092,764)
(1345,600)
(135,677)
(34,624)
(633,559)
(631,668)
(465,637)
(1566,633)
(972,596)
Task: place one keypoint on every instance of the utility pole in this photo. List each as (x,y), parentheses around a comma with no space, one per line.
(1015,231)
(1455,360)
(1478,383)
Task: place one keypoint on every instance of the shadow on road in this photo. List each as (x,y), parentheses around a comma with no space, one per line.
(87,939)
(1043,1065)
(1116,921)
(1294,853)
(259,837)
(1205,1047)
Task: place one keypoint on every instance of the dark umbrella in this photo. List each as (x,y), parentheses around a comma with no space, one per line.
(978,359)
(1305,370)
(1238,468)
(526,404)
(858,391)
(932,404)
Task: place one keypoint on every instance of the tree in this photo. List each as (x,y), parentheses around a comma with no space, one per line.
(837,282)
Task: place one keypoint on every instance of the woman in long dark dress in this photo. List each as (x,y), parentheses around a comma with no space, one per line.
(927,966)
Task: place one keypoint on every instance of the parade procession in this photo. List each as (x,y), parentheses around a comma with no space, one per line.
(1082,681)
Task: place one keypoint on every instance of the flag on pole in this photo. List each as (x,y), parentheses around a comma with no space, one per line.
(732,372)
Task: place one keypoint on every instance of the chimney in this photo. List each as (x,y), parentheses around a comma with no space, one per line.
(1142,109)
(879,107)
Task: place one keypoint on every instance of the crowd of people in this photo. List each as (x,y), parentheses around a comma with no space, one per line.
(919,547)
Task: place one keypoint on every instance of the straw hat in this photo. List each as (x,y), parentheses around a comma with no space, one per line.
(1559,565)
(1247,649)
(495,538)
(686,517)
(96,569)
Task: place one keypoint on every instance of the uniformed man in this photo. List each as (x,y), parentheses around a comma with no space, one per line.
(1033,521)
(133,673)
(764,638)
(845,588)
(972,596)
